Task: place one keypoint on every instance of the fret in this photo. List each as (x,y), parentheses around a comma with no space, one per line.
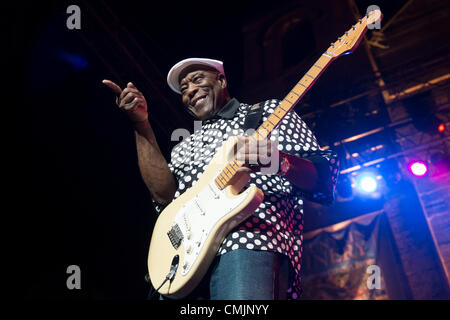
(279,112)
(310,76)
(299,89)
(303,85)
(286,106)
(323,61)
(318,67)
(272,120)
(267,126)
(231,170)
(259,134)
(222,179)
(314,71)
(281,107)
(273,114)
(307,82)
(219,183)
(223,171)
(285,99)
(293,97)
(263,132)
(235,167)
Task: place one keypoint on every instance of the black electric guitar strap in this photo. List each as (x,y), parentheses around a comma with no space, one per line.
(254,116)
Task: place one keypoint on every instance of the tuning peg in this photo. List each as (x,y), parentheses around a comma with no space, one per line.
(353,27)
(360,21)
(332,44)
(346,33)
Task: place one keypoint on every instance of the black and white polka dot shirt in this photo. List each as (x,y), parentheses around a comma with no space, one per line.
(277,224)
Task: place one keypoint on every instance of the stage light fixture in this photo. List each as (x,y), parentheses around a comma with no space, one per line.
(367,182)
(418,168)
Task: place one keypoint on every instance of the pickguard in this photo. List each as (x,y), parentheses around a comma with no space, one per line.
(197,218)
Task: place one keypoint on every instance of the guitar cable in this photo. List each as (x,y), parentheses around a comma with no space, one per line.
(170,276)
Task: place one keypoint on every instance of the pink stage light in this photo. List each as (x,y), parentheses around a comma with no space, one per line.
(418,168)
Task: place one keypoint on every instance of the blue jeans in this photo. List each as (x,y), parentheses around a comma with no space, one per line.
(245,275)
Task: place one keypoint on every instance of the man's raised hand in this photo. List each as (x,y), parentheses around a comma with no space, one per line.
(130,100)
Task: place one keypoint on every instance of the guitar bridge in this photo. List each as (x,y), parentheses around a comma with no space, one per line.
(175,236)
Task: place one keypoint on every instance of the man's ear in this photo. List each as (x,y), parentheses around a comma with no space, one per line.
(222,80)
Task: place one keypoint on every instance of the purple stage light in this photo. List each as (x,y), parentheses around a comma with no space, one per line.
(418,168)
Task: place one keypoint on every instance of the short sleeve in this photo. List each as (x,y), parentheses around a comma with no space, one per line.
(295,138)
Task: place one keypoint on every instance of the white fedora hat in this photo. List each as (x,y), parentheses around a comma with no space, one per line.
(174,73)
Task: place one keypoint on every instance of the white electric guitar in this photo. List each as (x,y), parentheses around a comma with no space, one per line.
(190,230)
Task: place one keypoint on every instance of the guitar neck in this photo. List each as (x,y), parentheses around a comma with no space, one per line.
(291,99)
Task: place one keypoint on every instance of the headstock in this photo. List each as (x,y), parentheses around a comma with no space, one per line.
(348,42)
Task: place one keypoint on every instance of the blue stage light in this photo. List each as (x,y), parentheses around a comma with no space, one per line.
(76,60)
(367,182)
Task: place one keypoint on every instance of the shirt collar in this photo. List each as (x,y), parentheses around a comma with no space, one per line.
(228,110)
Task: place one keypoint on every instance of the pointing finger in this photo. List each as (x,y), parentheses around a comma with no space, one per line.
(114,87)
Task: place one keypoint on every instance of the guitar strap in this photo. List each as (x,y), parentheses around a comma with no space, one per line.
(254,116)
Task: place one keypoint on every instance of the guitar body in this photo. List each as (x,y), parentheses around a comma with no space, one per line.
(194,225)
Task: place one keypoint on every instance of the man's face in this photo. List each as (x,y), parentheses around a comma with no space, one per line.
(203,91)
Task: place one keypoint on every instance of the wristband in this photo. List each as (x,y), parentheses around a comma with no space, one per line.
(284,166)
